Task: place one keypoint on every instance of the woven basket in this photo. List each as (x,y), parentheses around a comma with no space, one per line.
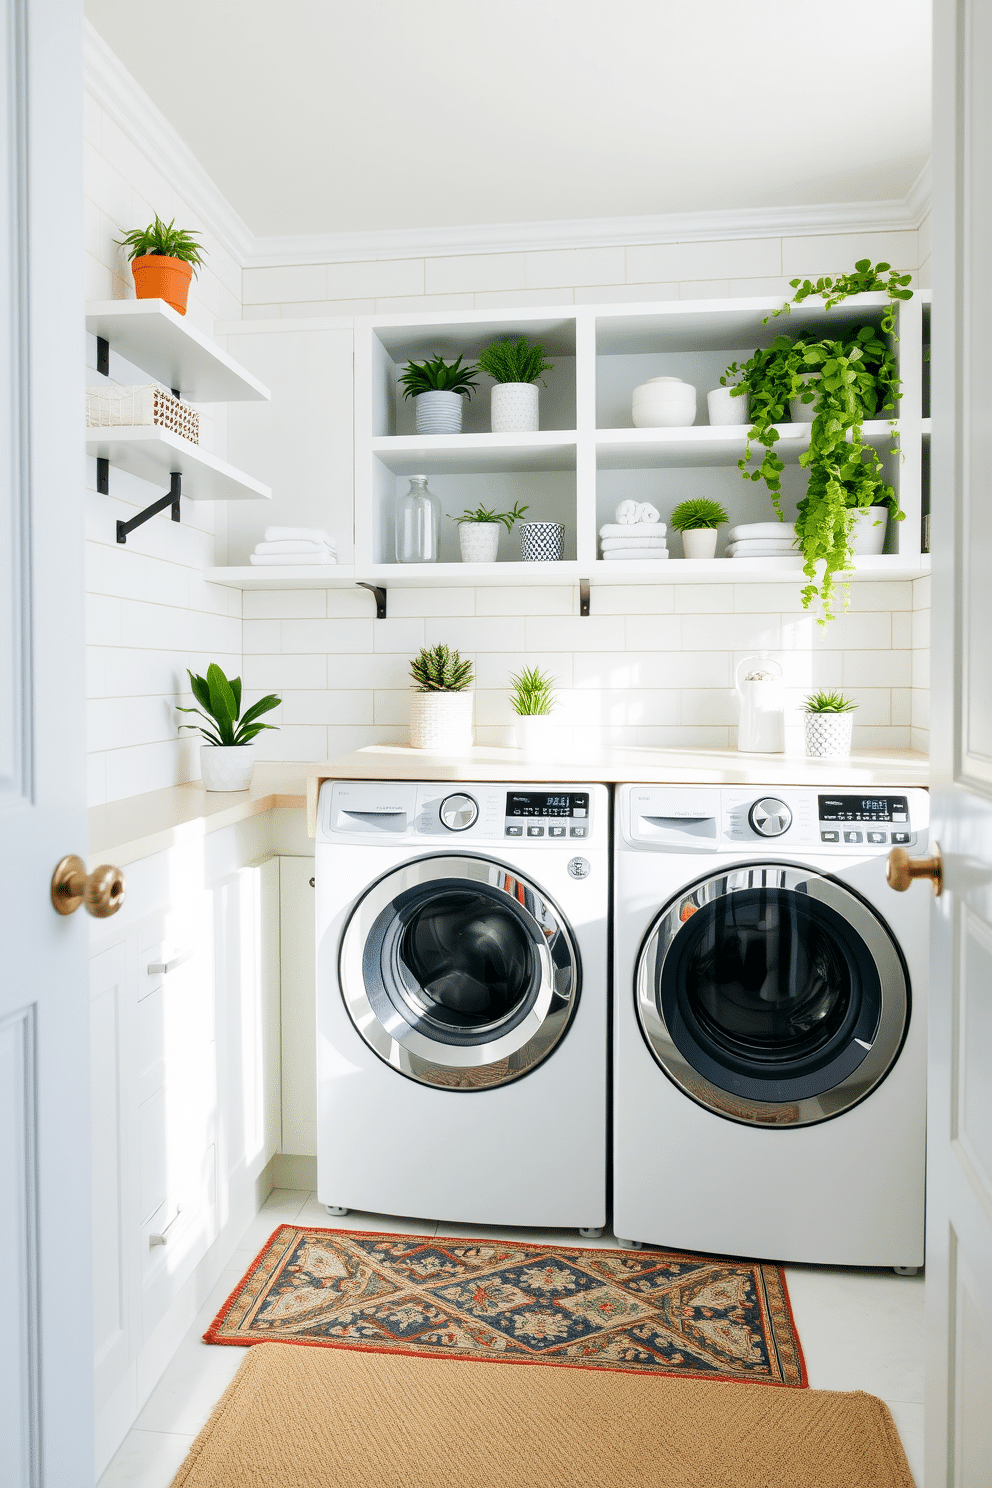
(127,407)
(441,721)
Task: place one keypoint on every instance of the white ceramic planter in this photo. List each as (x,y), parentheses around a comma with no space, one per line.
(438,413)
(800,412)
(828,735)
(537,735)
(479,541)
(441,721)
(868,530)
(542,542)
(699,542)
(664,403)
(226,767)
(724,408)
(514,408)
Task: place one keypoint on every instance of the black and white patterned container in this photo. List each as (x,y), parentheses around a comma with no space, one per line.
(542,542)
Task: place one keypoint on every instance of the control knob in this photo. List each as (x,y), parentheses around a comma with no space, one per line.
(769,817)
(458,812)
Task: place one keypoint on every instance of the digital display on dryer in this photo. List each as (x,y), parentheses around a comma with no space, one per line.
(864,808)
(544,804)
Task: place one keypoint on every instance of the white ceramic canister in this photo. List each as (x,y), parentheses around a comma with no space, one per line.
(438,412)
(761,688)
(226,767)
(868,530)
(699,542)
(828,735)
(724,408)
(514,408)
(664,403)
(441,721)
(537,735)
(479,541)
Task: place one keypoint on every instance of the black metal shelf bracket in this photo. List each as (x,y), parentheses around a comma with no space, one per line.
(103,356)
(583,596)
(171,498)
(378,594)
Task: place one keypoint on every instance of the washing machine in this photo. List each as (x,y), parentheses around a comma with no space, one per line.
(769,1023)
(462,1001)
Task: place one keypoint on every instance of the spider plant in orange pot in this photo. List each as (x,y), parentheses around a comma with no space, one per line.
(164,259)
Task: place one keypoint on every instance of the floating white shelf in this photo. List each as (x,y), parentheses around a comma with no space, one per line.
(151,335)
(154,454)
(297,576)
(649,449)
(475,454)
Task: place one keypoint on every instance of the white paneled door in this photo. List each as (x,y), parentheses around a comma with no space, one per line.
(959,1223)
(45,1298)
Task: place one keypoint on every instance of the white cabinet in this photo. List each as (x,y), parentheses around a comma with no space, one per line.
(299,1017)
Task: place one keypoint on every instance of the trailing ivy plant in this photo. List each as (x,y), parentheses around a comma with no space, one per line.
(866,279)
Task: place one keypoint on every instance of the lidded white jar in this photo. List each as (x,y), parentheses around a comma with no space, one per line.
(664,403)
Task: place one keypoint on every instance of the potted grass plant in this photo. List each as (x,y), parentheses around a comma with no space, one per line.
(226,756)
(828,722)
(697,520)
(478,532)
(515,367)
(437,388)
(441,701)
(164,259)
(533,700)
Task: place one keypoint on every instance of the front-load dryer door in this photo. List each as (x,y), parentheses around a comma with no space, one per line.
(459,972)
(772,996)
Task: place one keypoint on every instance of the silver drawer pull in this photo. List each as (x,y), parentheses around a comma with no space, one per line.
(159,968)
(163,1239)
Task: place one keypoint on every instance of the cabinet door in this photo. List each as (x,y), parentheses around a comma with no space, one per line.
(299,1019)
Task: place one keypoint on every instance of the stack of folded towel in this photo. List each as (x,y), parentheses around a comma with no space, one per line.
(288,546)
(762,540)
(638,533)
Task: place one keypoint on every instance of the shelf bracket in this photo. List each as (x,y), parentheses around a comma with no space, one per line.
(378,594)
(102,476)
(103,356)
(171,498)
(583,596)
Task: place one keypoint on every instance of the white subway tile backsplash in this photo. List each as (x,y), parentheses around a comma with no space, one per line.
(375,279)
(573,266)
(727,632)
(861,631)
(494,669)
(755,257)
(277,673)
(329,635)
(573,633)
(407,636)
(831,252)
(327,707)
(288,604)
(538,600)
(474,272)
(273,286)
(632,599)
(413,604)
(877,668)
(659,632)
(474,633)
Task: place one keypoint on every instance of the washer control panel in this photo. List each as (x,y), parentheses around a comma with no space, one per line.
(555,816)
(877,819)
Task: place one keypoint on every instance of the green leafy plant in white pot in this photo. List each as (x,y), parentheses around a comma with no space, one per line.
(441,701)
(533,700)
(515,367)
(829,724)
(437,388)
(226,755)
(478,532)
(697,520)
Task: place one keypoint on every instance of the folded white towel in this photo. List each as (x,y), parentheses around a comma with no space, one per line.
(609,543)
(760,550)
(294,547)
(762,530)
(756,545)
(298,534)
(624,555)
(629,513)
(292,560)
(641,529)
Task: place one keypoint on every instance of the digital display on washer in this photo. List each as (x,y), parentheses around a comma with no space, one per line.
(543,803)
(864,809)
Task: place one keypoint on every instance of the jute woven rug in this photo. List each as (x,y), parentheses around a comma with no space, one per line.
(648,1311)
(295,1417)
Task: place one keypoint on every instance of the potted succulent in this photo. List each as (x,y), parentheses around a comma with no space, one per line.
(225,756)
(441,701)
(532,700)
(515,367)
(164,259)
(478,532)
(697,519)
(829,725)
(437,388)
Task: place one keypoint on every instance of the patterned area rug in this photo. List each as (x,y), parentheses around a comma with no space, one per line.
(647,1311)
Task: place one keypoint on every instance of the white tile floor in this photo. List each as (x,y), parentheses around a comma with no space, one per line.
(860,1330)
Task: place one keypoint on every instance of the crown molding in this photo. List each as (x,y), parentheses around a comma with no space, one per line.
(920,196)
(107,79)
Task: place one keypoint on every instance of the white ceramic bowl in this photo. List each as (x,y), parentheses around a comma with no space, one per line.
(664,403)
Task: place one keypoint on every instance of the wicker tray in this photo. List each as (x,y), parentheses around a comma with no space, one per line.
(125,407)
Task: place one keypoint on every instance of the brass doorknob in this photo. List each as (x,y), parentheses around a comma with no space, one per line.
(901,869)
(102,891)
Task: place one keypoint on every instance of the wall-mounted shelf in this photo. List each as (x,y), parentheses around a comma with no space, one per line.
(154,337)
(154,454)
(476,454)
(299,576)
(652,449)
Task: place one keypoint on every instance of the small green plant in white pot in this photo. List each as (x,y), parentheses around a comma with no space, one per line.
(829,723)
(697,520)
(533,700)
(437,388)
(478,532)
(226,754)
(516,368)
(441,701)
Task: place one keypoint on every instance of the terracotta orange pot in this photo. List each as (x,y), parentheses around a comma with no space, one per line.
(159,278)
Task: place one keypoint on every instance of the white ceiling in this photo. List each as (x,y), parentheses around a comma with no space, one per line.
(320,116)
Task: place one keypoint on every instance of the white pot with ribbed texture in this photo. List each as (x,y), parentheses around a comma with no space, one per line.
(724,408)
(664,403)
(441,721)
(479,541)
(226,767)
(438,412)
(828,735)
(514,408)
(699,542)
(868,530)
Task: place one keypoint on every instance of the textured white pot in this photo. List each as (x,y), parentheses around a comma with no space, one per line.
(800,412)
(542,542)
(438,413)
(513,408)
(664,403)
(226,767)
(479,541)
(537,735)
(828,735)
(868,531)
(724,408)
(441,721)
(699,542)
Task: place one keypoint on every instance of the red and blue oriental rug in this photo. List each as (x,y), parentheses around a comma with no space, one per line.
(646,1311)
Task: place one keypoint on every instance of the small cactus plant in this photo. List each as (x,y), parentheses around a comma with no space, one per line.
(439,669)
(828,702)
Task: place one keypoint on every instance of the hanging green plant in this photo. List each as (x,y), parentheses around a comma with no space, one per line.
(866,279)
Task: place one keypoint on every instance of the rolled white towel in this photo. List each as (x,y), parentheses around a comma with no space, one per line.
(647,513)
(648,544)
(759,550)
(299,534)
(627,513)
(292,560)
(645,555)
(642,529)
(748,530)
(288,546)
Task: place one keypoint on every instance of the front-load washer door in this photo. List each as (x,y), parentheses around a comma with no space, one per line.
(459,972)
(772,996)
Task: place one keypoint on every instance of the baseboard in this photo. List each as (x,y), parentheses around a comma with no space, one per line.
(290,1171)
